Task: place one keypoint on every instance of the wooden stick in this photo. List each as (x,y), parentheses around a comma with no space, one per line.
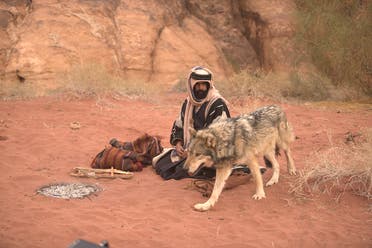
(102,170)
(100,173)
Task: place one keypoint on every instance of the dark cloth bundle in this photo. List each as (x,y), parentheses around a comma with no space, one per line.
(120,159)
(128,156)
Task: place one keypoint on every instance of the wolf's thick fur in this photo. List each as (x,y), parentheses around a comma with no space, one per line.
(240,140)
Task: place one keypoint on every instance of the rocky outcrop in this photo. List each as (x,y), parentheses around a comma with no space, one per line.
(154,40)
(268,26)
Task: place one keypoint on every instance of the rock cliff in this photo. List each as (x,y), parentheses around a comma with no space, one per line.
(154,40)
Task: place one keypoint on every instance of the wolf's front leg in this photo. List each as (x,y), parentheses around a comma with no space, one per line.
(275,177)
(253,165)
(221,176)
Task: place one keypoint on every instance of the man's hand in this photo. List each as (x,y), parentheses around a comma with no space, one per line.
(180,151)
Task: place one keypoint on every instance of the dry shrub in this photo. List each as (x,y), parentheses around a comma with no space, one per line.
(94,81)
(338,170)
(253,84)
(277,86)
(17,91)
(308,86)
(82,82)
(180,86)
(302,85)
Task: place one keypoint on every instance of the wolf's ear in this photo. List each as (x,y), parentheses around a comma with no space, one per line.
(211,141)
(192,132)
(221,117)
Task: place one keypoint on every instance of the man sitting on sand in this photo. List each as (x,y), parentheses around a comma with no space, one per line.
(203,105)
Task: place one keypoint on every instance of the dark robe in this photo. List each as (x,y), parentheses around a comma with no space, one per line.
(169,170)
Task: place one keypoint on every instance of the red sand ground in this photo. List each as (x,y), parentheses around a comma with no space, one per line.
(38,148)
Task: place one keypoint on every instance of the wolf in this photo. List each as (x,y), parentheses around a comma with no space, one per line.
(241,140)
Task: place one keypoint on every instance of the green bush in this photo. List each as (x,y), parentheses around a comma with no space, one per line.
(337,35)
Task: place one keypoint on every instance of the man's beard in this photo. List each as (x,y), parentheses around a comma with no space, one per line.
(201,94)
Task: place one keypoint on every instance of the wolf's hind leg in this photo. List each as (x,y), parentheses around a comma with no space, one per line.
(275,177)
(290,164)
(255,169)
(286,138)
(221,176)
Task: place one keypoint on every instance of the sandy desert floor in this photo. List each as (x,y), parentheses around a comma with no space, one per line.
(38,147)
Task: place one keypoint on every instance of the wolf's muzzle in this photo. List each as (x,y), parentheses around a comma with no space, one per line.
(196,171)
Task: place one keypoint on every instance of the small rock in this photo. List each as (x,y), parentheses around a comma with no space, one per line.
(75,125)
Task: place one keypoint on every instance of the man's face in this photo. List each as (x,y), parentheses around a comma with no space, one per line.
(201,90)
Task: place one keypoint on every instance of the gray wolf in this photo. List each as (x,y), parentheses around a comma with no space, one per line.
(241,140)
